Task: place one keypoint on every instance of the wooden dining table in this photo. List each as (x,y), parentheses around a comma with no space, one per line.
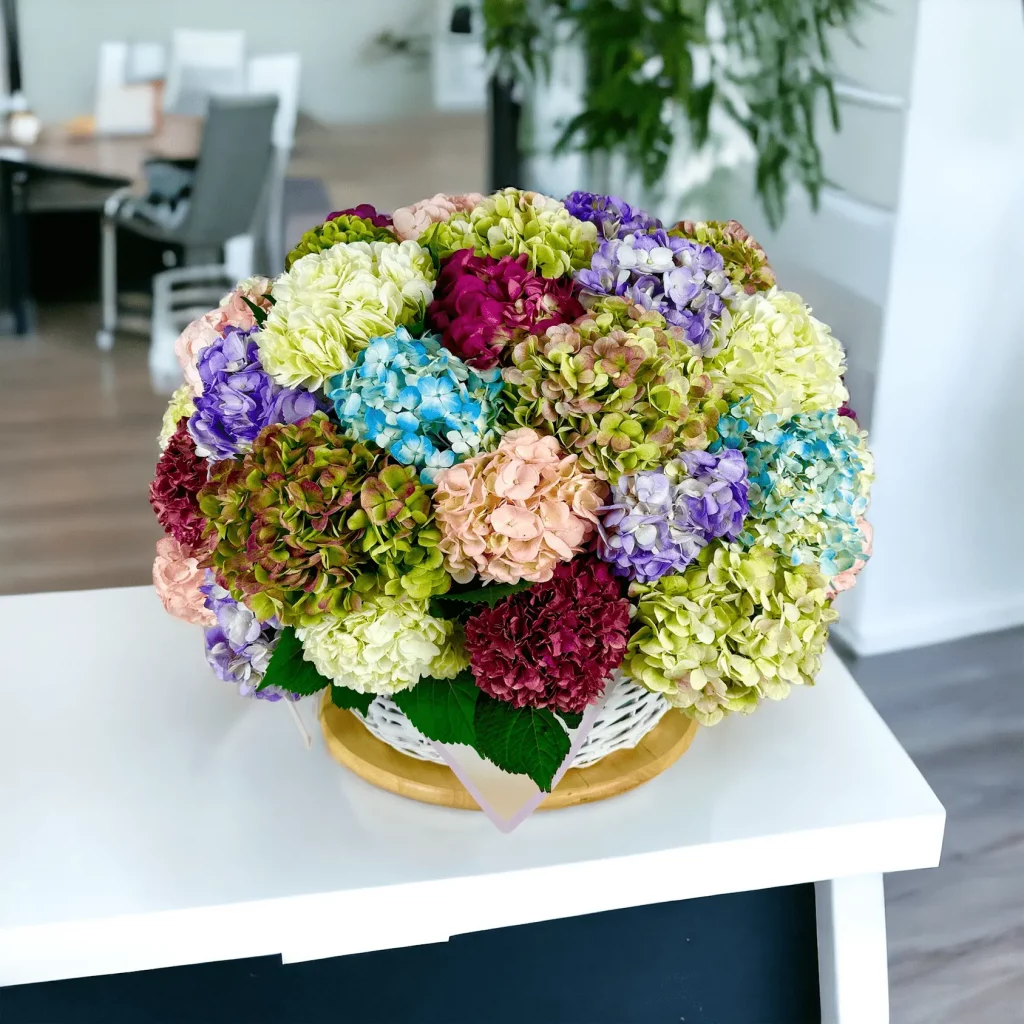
(65,168)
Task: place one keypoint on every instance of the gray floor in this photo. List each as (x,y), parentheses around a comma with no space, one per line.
(956,934)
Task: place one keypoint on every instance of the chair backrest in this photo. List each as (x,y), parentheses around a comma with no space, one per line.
(203,64)
(233,169)
(278,74)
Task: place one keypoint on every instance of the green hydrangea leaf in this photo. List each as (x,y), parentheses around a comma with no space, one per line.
(524,741)
(345,697)
(442,709)
(289,670)
(457,602)
(258,314)
(571,718)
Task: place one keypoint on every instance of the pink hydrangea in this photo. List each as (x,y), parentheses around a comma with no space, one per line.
(233,309)
(412,221)
(232,312)
(177,578)
(846,579)
(482,305)
(516,513)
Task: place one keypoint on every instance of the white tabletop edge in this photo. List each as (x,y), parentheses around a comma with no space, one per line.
(319,925)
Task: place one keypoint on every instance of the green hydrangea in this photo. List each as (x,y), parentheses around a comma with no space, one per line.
(397,518)
(617,388)
(775,352)
(284,545)
(512,222)
(345,228)
(746,264)
(735,627)
(181,406)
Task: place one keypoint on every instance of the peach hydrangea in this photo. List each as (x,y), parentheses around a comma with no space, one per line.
(515,513)
(412,221)
(177,577)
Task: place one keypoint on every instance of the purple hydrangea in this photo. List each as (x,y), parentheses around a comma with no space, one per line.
(658,520)
(614,217)
(239,646)
(683,280)
(239,399)
(715,492)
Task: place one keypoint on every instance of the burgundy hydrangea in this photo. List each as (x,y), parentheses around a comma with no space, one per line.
(554,645)
(367,212)
(180,472)
(481,303)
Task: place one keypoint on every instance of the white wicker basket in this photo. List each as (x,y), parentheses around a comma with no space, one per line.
(628,715)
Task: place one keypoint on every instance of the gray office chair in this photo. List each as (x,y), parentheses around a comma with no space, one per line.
(227,188)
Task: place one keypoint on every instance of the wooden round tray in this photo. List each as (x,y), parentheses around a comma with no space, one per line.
(350,743)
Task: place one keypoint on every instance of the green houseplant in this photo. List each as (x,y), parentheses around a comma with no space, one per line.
(764,63)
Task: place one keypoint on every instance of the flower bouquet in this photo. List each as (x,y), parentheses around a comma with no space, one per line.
(506,472)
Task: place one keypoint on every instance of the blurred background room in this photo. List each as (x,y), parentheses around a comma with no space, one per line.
(154,153)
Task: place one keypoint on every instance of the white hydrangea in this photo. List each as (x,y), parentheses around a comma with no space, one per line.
(330,303)
(773,350)
(388,645)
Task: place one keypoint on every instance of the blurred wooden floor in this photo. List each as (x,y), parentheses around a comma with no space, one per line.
(78,447)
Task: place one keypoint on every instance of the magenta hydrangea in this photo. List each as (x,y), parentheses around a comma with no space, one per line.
(482,305)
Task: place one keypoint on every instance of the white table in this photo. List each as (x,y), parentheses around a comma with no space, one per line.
(151,818)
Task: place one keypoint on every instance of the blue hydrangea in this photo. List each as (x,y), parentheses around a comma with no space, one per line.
(418,401)
(810,478)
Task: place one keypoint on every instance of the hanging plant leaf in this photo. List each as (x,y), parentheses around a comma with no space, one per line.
(524,741)
(345,697)
(289,670)
(442,709)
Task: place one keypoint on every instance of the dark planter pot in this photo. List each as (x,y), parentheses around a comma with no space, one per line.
(505,158)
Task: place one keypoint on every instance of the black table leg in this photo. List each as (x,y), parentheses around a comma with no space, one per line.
(17,311)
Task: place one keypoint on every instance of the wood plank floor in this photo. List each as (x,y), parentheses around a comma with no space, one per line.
(78,447)
(956,933)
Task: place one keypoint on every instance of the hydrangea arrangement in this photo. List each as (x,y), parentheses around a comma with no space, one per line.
(479,457)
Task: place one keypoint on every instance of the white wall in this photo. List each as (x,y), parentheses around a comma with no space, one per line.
(340,82)
(949,499)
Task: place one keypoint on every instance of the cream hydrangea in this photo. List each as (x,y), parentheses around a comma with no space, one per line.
(182,404)
(735,627)
(330,303)
(786,360)
(387,645)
